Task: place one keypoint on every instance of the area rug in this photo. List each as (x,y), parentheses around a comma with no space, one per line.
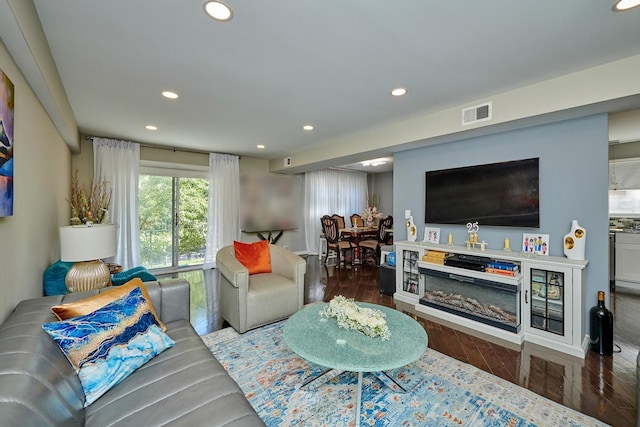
(441,391)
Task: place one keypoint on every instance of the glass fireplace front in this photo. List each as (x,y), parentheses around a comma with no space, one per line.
(491,302)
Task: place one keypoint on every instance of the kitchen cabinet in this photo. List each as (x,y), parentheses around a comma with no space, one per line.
(627,260)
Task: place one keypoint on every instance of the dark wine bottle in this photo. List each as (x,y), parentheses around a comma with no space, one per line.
(601,336)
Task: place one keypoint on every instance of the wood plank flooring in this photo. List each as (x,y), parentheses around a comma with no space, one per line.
(603,387)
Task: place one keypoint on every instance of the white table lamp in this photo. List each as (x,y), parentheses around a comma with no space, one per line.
(86,245)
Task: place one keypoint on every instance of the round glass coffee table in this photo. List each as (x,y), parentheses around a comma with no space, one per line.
(320,340)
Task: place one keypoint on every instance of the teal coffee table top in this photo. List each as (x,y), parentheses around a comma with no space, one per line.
(320,340)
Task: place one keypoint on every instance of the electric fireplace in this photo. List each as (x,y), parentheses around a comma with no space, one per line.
(492,302)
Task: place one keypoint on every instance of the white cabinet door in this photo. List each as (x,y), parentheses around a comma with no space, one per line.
(547,302)
(408,286)
(628,262)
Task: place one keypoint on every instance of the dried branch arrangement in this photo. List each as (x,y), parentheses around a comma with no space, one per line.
(89,205)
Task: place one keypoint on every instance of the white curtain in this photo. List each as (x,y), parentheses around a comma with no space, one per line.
(223,223)
(328,192)
(117,164)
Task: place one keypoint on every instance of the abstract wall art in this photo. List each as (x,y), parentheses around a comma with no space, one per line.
(6,145)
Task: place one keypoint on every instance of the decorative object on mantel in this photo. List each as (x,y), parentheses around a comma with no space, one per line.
(89,205)
(450,239)
(535,244)
(350,315)
(431,235)
(575,241)
(507,245)
(474,238)
(412,231)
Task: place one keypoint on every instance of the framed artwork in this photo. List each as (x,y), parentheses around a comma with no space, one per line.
(6,145)
(534,243)
(431,235)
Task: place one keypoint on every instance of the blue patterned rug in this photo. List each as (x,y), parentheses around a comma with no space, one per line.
(441,391)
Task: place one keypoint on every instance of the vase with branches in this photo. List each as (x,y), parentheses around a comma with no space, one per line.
(89,205)
(371,215)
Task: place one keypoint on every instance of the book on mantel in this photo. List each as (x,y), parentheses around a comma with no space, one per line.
(502,267)
(435,257)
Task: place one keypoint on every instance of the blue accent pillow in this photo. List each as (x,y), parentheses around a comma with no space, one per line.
(109,344)
(53,278)
(137,272)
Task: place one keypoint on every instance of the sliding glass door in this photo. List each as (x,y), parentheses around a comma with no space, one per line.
(173,221)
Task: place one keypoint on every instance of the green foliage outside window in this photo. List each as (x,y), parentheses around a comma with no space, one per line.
(155,207)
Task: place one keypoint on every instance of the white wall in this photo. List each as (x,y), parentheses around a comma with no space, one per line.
(42,182)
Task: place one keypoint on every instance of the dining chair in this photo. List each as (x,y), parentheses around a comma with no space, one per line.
(331,232)
(356,220)
(373,245)
(340,219)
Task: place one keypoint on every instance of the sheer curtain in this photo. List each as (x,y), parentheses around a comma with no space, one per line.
(331,191)
(117,163)
(223,223)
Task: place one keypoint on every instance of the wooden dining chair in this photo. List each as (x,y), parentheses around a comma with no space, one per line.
(340,219)
(356,220)
(371,247)
(331,231)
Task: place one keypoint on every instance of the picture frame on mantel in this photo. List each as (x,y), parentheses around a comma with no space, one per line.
(535,243)
(431,235)
(6,145)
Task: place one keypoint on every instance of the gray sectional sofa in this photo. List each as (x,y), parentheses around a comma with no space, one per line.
(183,386)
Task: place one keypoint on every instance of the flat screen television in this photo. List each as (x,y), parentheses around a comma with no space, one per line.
(499,194)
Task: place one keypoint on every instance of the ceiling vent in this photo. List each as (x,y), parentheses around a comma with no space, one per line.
(479,113)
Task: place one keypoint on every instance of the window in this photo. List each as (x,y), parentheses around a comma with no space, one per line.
(173,216)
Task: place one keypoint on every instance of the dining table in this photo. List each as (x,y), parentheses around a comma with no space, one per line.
(356,235)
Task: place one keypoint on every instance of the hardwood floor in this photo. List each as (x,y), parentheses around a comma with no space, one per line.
(603,387)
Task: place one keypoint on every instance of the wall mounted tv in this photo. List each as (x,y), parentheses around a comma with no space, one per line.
(499,194)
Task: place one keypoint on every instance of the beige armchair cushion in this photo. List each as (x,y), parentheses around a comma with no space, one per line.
(249,301)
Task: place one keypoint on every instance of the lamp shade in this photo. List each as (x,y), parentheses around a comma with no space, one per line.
(87,242)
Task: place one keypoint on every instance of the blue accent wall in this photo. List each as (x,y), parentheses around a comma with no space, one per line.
(573,185)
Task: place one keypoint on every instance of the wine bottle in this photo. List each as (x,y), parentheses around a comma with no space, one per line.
(601,336)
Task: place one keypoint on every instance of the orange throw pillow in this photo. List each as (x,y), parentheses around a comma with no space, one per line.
(95,302)
(255,256)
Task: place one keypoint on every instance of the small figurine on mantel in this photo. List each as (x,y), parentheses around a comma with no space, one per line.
(474,238)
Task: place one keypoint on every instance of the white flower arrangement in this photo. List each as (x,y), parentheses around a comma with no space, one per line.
(349,315)
(370,214)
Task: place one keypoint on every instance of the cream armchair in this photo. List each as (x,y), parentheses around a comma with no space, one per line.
(248,301)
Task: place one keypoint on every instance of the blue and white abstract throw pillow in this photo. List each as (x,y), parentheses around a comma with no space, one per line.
(106,346)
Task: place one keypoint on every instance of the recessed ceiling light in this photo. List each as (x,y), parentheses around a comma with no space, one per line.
(169,94)
(218,11)
(260,146)
(622,5)
(374,162)
(307,127)
(151,127)
(399,91)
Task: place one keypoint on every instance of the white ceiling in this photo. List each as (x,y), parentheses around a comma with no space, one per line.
(281,64)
